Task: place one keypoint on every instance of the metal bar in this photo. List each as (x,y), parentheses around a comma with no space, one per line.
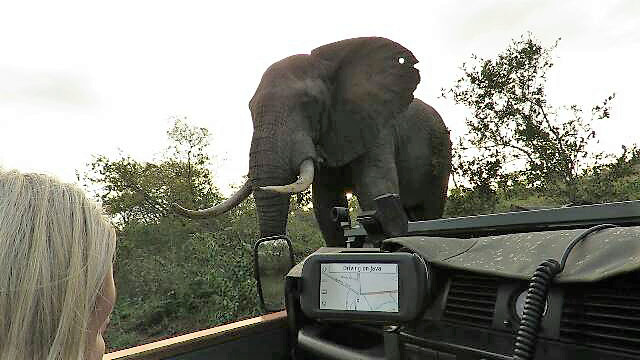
(200,339)
(310,341)
(620,213)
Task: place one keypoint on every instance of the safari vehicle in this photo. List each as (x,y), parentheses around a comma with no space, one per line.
(549,284)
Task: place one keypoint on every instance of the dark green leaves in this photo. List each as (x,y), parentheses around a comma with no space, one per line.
(516,138)
(142,192)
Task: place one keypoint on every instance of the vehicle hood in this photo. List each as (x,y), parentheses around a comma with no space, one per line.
(600,255)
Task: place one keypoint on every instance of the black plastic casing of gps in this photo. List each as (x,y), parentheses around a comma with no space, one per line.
(413,282)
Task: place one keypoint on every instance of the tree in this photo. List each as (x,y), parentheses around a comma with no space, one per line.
(618,180)
(515,135)
(141,192)
(188,145)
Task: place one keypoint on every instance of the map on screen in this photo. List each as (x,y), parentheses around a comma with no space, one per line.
(359,286)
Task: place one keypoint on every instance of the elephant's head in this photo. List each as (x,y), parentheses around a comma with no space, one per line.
(328,107)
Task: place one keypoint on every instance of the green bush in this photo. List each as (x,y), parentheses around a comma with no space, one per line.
(174,279)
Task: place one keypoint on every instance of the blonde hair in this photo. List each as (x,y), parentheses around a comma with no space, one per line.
(56,248)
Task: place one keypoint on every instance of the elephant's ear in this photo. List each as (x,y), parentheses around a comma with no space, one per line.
(373,81)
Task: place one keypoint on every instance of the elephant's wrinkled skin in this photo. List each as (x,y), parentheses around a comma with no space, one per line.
(349,107)
(414,155)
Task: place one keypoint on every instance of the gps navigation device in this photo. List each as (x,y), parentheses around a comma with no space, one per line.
(368,287)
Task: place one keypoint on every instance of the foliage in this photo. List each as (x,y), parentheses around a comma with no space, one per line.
(176,275)
(515,134)
(173,279)
(519,150)
(193,282)
(136,192)
(618,180)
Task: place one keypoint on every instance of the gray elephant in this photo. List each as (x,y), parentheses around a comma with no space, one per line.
(343,118)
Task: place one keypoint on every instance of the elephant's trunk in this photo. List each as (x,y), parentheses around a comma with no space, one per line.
(268,166)
(278,153)
(272,210)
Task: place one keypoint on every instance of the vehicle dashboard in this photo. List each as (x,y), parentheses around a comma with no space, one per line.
(591,312)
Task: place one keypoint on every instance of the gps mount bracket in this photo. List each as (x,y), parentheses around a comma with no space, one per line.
(387,220)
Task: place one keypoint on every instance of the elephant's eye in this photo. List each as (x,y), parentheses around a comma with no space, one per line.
(401,60)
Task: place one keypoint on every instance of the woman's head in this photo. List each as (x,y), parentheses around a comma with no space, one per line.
(56,282)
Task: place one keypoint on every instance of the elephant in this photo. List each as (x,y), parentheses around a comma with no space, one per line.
(343,118)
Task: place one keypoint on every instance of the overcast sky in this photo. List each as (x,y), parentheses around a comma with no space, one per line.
(79,78)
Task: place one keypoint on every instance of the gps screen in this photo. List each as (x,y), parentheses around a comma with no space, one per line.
(359,286)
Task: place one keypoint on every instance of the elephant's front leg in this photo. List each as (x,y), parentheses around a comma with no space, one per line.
(374,173)
(374,178)
(329,192)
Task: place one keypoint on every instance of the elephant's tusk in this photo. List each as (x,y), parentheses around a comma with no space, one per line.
(226,205)
(304,180)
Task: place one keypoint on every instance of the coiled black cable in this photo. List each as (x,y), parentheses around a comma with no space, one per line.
(534,304)
(527,336)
